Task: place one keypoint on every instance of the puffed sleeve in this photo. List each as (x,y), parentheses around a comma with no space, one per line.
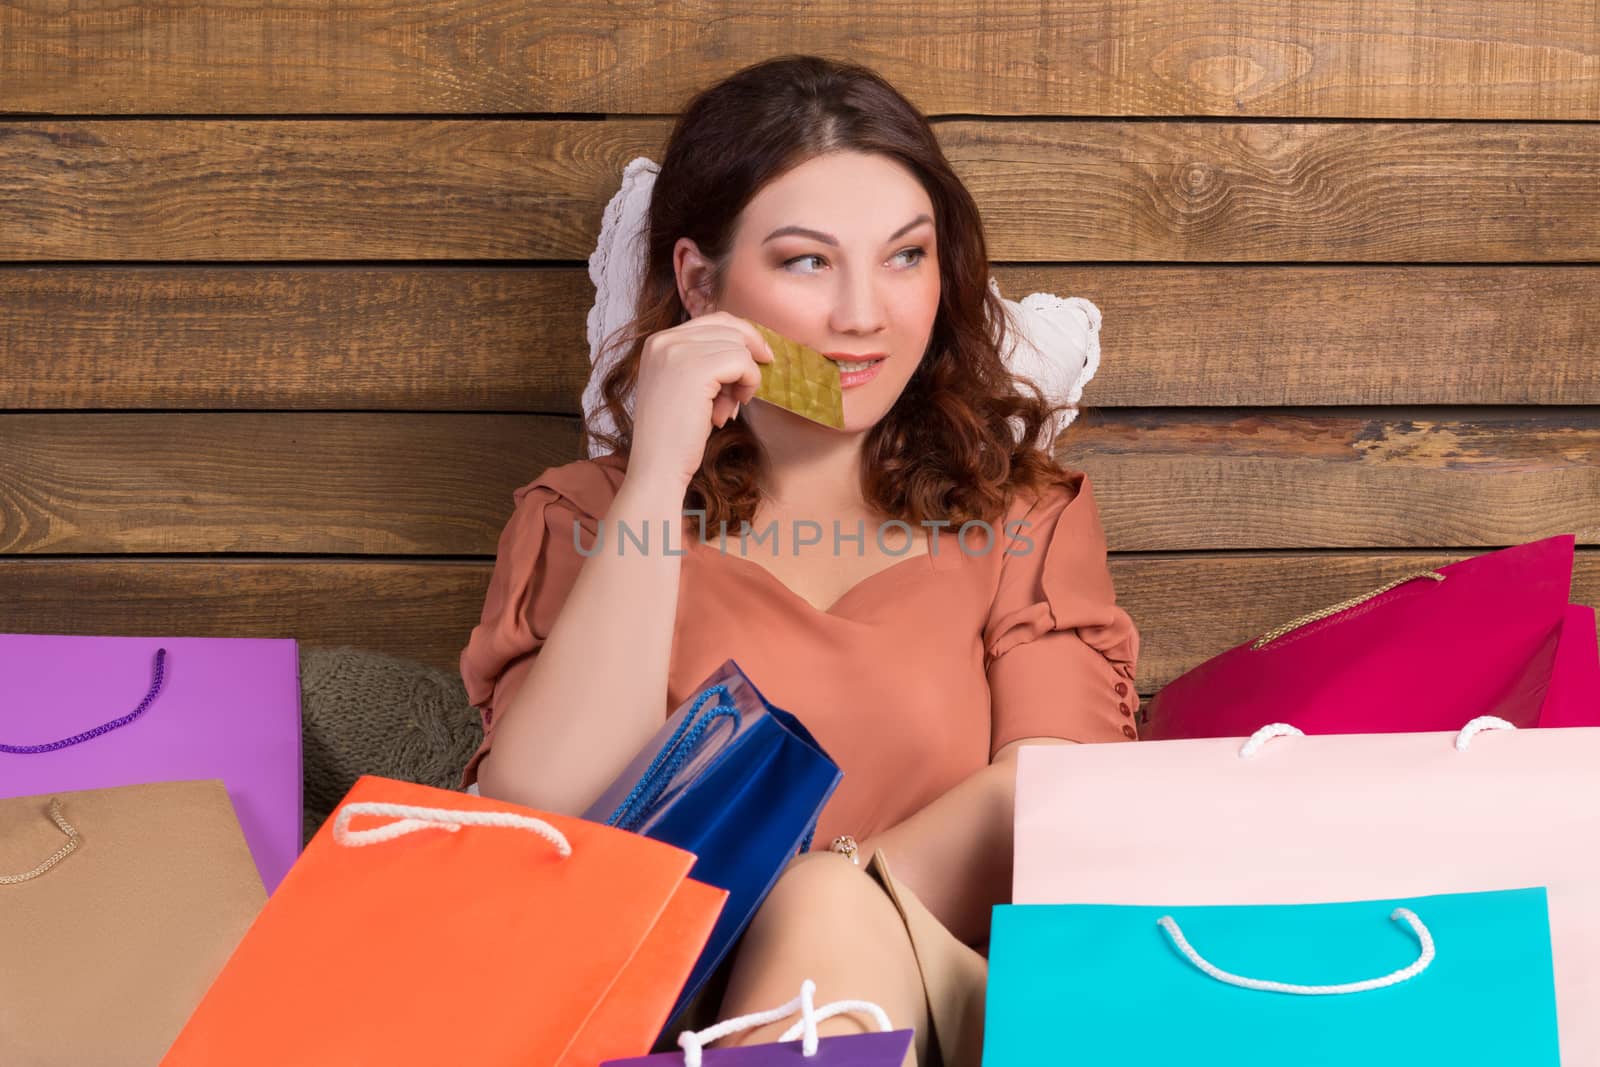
(535,566)
(1058,651)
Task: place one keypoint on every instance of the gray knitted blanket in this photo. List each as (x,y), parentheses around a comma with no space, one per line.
(366,712)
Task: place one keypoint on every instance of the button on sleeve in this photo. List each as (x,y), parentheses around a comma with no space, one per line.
(1059,652)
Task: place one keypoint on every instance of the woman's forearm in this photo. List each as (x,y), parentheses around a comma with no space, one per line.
(595,693)
(955,853)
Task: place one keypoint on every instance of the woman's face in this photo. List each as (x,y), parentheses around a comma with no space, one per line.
(863,279)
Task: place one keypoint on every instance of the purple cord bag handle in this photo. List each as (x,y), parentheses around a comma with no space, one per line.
(66,742)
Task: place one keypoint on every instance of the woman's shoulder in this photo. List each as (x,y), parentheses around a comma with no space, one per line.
(1048,501)
(586,485)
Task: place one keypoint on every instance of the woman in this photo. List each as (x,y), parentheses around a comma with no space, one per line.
(812,198)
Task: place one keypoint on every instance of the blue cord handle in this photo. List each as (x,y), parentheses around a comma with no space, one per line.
(673,755)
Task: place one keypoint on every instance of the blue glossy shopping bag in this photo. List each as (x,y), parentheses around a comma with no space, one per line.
(1470,985)
(734,780)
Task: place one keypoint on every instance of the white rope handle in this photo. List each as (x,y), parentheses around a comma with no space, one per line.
(413,818)
(693,1043)
(838,1007)
(1170,925)
(1477,726)
(1283,729)
(1265,734)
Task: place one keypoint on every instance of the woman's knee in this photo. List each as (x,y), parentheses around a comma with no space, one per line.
(822,873)
(829,921)
(826,889)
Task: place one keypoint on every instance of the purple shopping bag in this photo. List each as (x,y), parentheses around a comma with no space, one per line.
(840,1050)
(100,712)
(802,1046)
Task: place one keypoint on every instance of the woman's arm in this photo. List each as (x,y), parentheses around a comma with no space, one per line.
(956,852)
(595,692)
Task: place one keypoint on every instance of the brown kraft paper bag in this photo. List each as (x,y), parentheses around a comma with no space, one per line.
(118,907)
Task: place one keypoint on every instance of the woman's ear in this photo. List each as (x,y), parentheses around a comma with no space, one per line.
(694,272)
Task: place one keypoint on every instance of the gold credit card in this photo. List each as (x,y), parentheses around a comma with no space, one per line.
(801,379)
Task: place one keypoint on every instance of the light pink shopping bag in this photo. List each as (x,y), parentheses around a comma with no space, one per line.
(1327,818)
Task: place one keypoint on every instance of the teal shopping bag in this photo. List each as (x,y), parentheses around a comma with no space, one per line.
(1465,980)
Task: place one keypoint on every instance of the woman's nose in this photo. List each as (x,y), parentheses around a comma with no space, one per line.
(858,306)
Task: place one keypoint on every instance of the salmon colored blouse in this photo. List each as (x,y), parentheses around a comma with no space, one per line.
(911,681)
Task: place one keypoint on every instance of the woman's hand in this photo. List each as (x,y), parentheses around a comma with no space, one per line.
(691,377)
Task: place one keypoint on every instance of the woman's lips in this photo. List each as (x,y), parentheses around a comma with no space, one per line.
(857,369)
(851,378)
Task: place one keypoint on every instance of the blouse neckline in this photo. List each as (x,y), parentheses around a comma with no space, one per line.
(933,559)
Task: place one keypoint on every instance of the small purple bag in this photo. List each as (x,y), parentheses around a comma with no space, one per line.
(885,1048)
(842,1050)
(100,712)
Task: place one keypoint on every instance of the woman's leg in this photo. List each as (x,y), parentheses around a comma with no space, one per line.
(829,921)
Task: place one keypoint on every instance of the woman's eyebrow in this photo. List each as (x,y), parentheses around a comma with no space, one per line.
(830,239)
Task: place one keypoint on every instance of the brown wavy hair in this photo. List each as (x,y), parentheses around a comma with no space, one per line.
(947,448)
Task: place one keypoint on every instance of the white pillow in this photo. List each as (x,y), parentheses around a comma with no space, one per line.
(1055,341)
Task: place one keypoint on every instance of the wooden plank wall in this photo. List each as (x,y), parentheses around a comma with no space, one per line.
(291,298)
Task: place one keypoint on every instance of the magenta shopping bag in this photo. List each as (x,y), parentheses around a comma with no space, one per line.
(1427,652)
(1574,696)
(99,712)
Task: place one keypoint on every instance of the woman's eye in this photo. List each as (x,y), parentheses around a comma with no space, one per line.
(921,254)
(797,259)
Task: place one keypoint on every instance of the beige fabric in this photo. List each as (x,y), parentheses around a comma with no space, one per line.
(954,975)
(104,956)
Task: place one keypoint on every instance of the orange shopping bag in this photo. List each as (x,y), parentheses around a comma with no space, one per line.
(425,926)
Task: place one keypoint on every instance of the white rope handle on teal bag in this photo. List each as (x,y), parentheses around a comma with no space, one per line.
(806,1029)
(413,818)
(1170,925)
(1250,748)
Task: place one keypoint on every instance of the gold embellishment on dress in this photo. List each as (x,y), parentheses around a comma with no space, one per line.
(846,846)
